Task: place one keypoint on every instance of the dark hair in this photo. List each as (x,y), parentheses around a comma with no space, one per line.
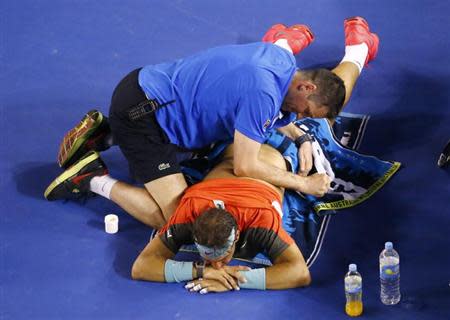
(213,227)
(330,90)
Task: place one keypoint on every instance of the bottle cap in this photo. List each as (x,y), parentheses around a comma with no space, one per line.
(352,267)
(111,223)
(388,245)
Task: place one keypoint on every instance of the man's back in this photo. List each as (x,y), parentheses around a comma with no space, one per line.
(219,90)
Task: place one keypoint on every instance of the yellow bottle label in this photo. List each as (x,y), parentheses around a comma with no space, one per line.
(354,308)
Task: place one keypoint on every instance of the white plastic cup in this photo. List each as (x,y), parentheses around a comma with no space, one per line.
(111,223)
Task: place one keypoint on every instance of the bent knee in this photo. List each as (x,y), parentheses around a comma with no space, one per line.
(154,219)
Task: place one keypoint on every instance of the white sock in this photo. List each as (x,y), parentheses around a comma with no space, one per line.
(356,54)
(102,185)
(283,43)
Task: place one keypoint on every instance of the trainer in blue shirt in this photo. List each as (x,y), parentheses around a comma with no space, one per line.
(221,90)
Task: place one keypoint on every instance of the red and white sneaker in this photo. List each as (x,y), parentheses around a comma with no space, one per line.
(298,36)
(357,31)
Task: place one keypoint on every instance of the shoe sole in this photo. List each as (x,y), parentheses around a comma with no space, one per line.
(376,41)
(268,36)
(73,170)
(356,20)
(307,31)
(71,142)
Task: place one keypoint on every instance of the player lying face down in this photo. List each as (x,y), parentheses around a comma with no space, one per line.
(249,224)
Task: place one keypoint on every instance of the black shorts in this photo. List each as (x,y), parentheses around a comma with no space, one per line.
(143,142)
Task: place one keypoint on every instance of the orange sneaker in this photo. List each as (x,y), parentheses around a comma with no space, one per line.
(298,36)
(357,31)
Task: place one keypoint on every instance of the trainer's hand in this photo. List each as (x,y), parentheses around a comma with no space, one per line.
(204,286)
(228,276)
(305,156)
(317,184)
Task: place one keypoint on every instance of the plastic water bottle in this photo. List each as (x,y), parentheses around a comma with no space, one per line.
(353,292)
(389,275)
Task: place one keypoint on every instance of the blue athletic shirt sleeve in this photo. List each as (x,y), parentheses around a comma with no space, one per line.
(255,115)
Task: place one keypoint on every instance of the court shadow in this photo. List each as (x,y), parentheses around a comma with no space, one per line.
(133,236)
(32,178)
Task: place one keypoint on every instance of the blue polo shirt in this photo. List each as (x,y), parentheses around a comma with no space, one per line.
(217,91)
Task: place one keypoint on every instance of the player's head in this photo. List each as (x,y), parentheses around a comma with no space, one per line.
(215,234)
(317,93)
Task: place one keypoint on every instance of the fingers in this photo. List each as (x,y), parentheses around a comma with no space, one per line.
(241,268)
(204,286)
(237,275)
(234,272)
(222,275)
(196,287)
(323,184)
(230,282)
(190,285)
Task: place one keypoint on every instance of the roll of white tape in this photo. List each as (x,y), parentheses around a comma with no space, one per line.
(111,223)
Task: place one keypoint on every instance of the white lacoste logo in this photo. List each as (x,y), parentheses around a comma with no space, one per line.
(163,166)
(266,124)
(169,234)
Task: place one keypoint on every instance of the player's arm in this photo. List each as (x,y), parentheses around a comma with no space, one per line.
(150,263)
(248,164)
(155,263)
(289,270)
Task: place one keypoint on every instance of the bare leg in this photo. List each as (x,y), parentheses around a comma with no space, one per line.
(361,47)
(154,204)
(349,73)
(167,192)
(138,203)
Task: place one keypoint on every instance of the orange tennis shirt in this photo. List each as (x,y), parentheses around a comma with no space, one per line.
(255,206)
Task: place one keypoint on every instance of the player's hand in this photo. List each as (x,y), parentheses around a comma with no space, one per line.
(305,156)
(234,271)
(317,184)
(204,286)
(228,276)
